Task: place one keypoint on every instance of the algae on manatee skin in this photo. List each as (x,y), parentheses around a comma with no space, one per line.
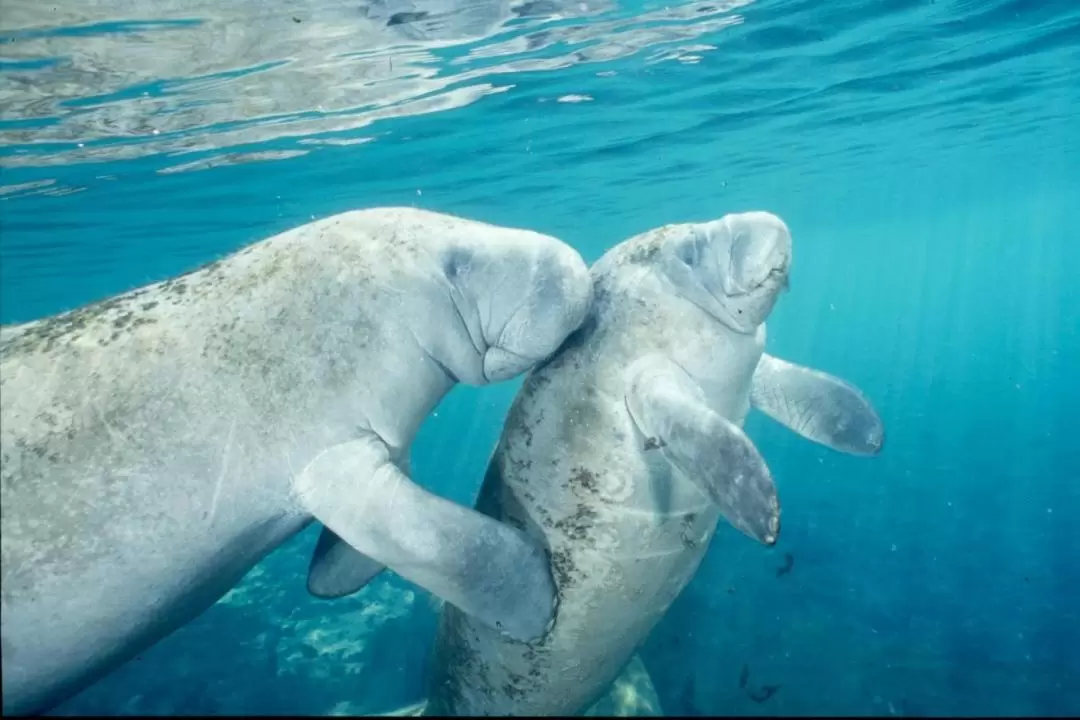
(631,695)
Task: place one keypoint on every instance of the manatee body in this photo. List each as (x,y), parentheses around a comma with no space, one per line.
(158,444)
(622,451)
(631,695)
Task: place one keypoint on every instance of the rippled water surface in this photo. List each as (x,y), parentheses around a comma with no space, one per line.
(925,154)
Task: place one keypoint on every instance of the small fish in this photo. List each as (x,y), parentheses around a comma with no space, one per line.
(789,562)
(744,676)
(766,692)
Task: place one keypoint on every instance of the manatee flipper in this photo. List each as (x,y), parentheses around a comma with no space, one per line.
(669,409)
(337,569)
(485,568)
(817,406)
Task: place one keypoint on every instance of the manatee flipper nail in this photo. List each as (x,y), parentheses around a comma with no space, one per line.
(669,409)
(817,406)
(337,569)
(486,568)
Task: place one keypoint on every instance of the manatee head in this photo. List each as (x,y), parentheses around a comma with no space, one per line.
(518,294)
(735,267)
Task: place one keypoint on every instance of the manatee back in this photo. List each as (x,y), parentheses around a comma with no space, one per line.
(123,414)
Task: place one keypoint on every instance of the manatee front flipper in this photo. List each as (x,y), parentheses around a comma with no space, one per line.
(669,409)
(337,569)
(487,569)
(820,407)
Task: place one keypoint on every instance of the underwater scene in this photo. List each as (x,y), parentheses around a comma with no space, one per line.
(894,174)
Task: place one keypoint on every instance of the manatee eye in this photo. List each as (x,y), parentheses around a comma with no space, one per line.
(687,253)
(455,262)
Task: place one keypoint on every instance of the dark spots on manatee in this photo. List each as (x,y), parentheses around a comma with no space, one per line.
(121,313)
(643,255)
(687,535)
(563,567)
(539,420)
(518,467)
(583,479)
(527,432)
(577,526)
(44,335)
(514,689)
(654,443)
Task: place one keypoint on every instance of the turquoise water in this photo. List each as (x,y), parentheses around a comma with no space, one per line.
(923,154)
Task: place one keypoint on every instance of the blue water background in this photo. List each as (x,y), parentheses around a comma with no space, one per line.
(926,156)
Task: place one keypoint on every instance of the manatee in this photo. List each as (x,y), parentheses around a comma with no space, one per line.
(621,453)
(158,444)
(631,695)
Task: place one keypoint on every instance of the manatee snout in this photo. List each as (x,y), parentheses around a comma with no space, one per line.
(552,302)
(760,249)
